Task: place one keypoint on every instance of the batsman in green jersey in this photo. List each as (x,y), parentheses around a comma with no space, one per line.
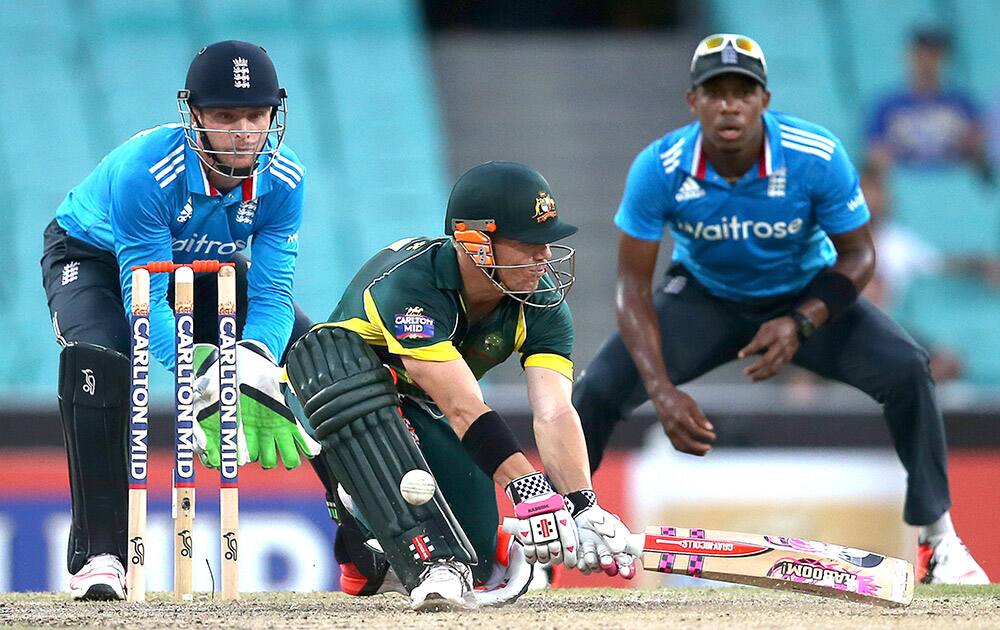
(440,312)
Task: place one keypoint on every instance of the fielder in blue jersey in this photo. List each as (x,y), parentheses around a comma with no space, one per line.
(217,183)
(772,248)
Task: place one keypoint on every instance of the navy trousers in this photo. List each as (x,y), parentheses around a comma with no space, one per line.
(864,348)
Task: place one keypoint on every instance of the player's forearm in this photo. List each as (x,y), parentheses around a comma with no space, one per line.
(517,465)
(858,264)
(563,450)
(270,322)
(270,307)
(830,293)
(640,330)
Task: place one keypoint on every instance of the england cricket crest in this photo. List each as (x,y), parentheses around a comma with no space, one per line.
(241,73)
(776,182)
(246,211)
(545,207)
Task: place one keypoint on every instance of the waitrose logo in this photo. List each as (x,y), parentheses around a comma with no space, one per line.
(735,229)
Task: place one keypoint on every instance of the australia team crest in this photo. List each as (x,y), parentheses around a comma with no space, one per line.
(545,207)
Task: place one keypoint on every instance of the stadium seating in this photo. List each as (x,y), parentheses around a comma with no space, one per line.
(959,215)
(971,19)
(875,39)
(950,208)
(803,71)
(46,136)
(81,77)
(842,56)
(959,314)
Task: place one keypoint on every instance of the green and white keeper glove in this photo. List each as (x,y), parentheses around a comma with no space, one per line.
(270,427)
(206,409)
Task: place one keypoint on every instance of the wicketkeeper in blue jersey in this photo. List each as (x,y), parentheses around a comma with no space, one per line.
(207,188)
(772,248)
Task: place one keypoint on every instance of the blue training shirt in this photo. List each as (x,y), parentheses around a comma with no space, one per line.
(150,199)
(762,236)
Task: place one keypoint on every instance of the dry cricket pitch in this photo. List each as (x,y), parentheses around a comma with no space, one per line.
(934,607)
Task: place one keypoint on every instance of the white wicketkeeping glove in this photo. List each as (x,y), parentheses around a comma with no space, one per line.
(206,409)
(603,536)
(544,527)
(269,426)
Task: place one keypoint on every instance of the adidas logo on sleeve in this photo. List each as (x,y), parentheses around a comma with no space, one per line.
(689,190)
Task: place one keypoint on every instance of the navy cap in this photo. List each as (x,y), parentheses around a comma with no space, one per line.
(233,74)
(728,53)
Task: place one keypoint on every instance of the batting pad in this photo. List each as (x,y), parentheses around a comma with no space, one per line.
(352,405)
(93,405)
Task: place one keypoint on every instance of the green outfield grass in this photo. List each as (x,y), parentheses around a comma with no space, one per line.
(944,590)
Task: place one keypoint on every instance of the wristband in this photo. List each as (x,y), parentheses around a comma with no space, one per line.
(835,290)
(489,441)
(580,500)
(528,487)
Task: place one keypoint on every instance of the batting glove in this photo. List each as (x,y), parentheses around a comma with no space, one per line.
(544,527)
(603,536)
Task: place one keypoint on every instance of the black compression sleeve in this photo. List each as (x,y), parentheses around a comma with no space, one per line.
(490,441)
(835,290)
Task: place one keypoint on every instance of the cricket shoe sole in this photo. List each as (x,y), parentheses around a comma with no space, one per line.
(101,579)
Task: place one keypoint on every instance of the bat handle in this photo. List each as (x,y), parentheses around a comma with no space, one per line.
(635,545)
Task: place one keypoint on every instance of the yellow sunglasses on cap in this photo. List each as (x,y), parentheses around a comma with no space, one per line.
(741,43)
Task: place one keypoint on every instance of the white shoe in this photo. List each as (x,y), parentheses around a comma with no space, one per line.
(541,577)
(949,562)
(444,586)
(102,578)
(510,581)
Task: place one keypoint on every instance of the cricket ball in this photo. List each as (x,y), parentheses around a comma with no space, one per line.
(417,487)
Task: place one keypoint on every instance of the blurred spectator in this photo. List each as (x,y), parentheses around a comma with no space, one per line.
(902,256)
(994,135)
(926,125)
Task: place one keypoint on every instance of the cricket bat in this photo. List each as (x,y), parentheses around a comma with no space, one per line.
(776,562)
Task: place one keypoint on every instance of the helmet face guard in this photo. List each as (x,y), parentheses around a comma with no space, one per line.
(197,138)
(472,237)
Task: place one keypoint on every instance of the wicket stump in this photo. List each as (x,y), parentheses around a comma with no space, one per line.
(183,478)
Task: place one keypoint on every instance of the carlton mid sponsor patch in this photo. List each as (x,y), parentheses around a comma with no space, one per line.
(413,324)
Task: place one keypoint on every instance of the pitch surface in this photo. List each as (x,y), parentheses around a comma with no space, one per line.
(934,607)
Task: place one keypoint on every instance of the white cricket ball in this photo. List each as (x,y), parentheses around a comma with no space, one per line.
(417,487)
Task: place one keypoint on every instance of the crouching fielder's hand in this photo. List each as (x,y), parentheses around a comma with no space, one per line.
(603,536)
(543,525)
